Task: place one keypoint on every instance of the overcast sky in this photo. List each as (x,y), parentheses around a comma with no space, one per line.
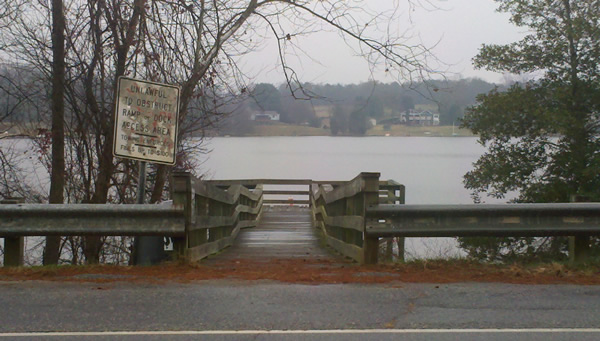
(457,29)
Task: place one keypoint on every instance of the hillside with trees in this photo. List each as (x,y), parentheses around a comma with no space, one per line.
(354,109)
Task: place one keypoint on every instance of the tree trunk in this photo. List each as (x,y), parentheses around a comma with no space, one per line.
(57,176)
(159,184)
(93,245)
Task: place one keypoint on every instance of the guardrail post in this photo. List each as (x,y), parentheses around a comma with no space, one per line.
(14,247)
(370,197)
(579,246)
(579,249)
(183,194)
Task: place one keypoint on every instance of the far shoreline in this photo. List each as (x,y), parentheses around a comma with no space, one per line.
(282,130)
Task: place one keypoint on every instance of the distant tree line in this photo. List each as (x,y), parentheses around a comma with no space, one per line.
(351,107)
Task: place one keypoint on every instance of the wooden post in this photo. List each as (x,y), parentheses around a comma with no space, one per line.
(579,246)
(201,236)
(310,195)
(183,194)
(371,198)
(14,247)
(401,241)
(215,210)
(351,207)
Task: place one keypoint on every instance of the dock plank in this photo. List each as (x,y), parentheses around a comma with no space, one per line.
(282,233)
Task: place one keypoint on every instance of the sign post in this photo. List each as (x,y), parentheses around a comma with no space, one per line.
(146,127)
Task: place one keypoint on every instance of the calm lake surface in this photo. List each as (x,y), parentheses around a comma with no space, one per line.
(431,168)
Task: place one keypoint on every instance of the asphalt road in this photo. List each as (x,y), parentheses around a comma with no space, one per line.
(213,310)
(423,335)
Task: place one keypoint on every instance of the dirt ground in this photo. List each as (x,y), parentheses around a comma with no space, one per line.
(314,272)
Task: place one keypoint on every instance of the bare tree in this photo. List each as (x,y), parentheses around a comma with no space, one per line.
(57,170)
(194,44)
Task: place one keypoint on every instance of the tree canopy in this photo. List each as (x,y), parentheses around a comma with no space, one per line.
(541,136)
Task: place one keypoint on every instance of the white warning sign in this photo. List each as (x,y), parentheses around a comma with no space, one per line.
(146,121)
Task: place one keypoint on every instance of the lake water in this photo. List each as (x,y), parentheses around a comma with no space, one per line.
(431,168)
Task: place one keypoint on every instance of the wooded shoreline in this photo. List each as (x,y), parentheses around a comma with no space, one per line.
(396,130)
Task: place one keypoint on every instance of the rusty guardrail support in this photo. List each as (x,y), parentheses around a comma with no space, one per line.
(14,247)
(579,246)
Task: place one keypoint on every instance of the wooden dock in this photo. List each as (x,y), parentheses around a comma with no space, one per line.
(283,232)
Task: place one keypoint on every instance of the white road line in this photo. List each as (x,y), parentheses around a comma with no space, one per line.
(332,331)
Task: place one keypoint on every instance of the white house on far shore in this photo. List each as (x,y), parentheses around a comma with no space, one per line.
(422,118)
(265,116)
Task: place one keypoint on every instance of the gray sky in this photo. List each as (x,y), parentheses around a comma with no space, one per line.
(456,30)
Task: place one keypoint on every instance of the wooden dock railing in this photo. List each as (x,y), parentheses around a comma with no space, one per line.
(213,215)
(340,210)
(279,191)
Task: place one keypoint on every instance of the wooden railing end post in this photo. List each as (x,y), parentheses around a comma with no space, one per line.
(183,194)
(371,197)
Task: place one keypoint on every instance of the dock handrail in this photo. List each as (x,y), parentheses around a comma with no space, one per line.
(213,215)
(340,213)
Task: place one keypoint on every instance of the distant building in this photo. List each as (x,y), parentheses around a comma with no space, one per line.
(265,116)
(413,118)
(422,118)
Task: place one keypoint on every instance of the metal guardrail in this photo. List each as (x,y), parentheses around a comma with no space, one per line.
(18,220)
(207,217)
(576,220)
(90,219)
(354,217)
(514,220)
